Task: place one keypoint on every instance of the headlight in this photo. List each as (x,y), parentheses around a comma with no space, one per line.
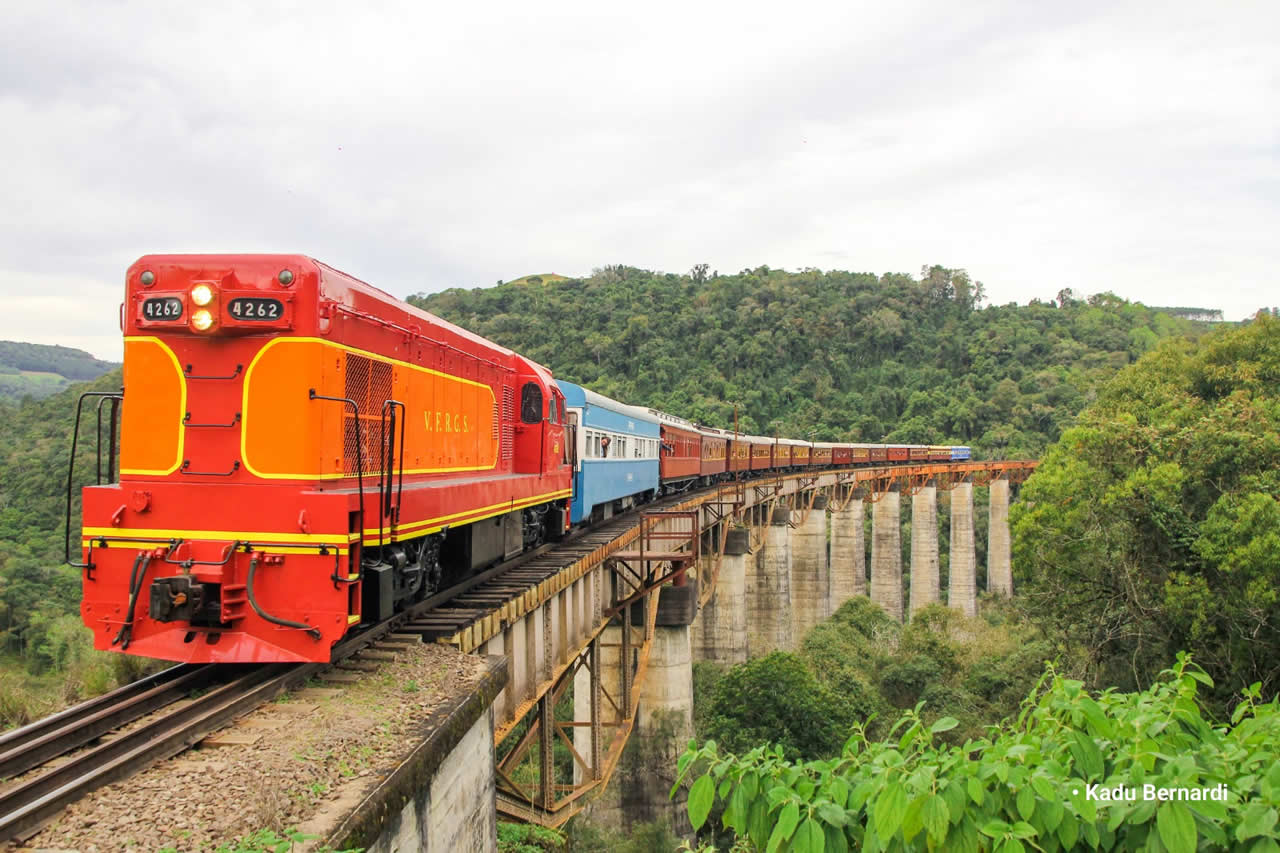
(202,294)
(202,320)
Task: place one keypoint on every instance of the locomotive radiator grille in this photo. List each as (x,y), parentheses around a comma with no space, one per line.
(368,382)
(508,421)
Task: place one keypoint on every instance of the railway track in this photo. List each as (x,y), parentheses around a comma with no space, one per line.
(124,731)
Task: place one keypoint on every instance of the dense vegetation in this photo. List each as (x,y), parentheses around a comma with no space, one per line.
(39,370)
(840,355)
(861,667)
(1024,784)
(45,654)
(1153,525)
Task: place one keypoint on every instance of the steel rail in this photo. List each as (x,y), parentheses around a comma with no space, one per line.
(33,745)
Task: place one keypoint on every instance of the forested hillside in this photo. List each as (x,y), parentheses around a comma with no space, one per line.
(842,355)
(38,370)
(1154,524)
(39,596)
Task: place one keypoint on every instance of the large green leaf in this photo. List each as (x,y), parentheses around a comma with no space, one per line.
(701,796)
(1176,826)
(937,818)
(788,819)
(890,808)
(809,837)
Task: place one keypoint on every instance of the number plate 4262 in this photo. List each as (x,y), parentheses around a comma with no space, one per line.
(255,308)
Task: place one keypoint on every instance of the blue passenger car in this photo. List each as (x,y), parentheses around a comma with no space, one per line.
(617,453)
(959,454)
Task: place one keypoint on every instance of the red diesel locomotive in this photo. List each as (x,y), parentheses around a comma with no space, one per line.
(301,452)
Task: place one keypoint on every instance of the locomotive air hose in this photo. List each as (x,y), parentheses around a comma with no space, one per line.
(275,620)
(135,586)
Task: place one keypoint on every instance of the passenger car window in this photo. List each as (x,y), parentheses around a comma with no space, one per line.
(531,403)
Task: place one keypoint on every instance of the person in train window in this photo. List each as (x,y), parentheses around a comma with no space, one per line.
(604,447)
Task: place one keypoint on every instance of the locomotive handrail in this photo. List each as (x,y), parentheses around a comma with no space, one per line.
(386,475)
(189,375)
(71,465)
(111,448)
(186,421)
(227,553)
(355,407)
(186,469)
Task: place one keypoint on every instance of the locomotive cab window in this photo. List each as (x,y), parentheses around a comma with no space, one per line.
(531,403)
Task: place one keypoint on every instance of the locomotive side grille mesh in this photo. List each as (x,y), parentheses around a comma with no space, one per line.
(508,418)
(368,383)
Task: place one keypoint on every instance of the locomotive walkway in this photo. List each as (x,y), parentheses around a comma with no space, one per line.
(616,618)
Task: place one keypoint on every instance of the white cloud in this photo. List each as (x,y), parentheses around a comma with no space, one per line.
(1098,145)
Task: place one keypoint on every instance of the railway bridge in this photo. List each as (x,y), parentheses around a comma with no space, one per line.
(593,642)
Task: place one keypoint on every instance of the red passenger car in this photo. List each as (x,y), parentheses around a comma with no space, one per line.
(898,453)
(800,453)
(761,452)
(781,454)
(821,455)
(842,455)
(680,456)
(715,455)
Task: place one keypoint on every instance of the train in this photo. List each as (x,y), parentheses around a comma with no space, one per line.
(301,454)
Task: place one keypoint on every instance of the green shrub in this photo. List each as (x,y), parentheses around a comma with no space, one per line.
(777,699)
(528,838)
(1026,784)
(902,683)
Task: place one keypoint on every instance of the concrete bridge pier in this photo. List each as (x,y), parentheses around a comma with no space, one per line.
(848,554)
(810,572)
(639,791)
(664,725)
(886,553)
(924,547)
(769,597)
(962,592)
(720,628)
(999,551)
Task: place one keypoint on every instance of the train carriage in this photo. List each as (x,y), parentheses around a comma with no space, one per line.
(715,455)
(937,453)
(761,452)
(897,452)
(917,453)
(800,452)
(282,421)
(959,454)
(821,455)
(617,454)
(739,451)
(781,454)
(842,455)
(680,452)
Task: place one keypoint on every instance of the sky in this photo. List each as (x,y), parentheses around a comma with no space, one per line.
(1123,146)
